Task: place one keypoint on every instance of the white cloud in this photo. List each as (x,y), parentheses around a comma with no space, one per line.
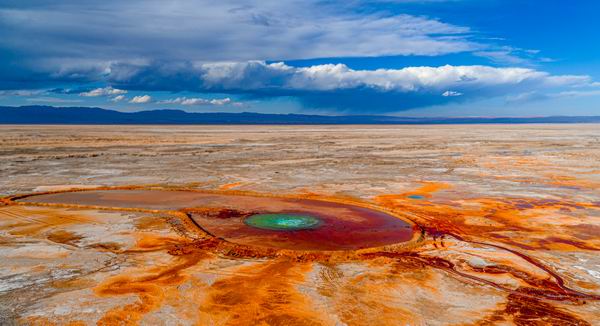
(339,86)
(118,98)
(106,91)
(257,75)
(451,94)
(250,30)
(221,101)
(199,101)
(141,99)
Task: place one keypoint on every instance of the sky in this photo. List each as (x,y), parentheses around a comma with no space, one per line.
(393,57)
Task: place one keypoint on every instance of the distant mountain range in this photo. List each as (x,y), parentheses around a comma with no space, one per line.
(87,115)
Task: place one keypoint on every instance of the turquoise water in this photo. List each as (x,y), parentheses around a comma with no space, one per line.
(416,197)
(283,222)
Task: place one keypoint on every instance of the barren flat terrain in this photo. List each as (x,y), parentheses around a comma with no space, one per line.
(300,225)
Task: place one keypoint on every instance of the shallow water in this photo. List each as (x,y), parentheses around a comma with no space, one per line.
(324,226)
(282,222)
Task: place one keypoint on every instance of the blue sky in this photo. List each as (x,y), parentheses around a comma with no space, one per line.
(400,57)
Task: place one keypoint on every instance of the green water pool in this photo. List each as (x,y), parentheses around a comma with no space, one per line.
(283,221)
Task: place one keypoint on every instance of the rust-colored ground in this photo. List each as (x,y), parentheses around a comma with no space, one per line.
(222,215)
(505,231)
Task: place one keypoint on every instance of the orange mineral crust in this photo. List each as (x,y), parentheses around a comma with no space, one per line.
(191,233)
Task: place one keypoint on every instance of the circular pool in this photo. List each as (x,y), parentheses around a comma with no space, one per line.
(257,220)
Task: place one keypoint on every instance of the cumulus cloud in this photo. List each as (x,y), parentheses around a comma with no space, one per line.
(106,91)
(259,75)
(141,99)
(221,101)
(340,87)
(198,101)
(118,98)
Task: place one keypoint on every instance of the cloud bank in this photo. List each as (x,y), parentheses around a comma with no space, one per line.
(45,42)
(239,48)
(340,87)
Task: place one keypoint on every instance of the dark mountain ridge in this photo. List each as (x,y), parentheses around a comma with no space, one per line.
(91,115)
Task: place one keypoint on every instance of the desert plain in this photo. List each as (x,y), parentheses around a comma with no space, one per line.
(147,225)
